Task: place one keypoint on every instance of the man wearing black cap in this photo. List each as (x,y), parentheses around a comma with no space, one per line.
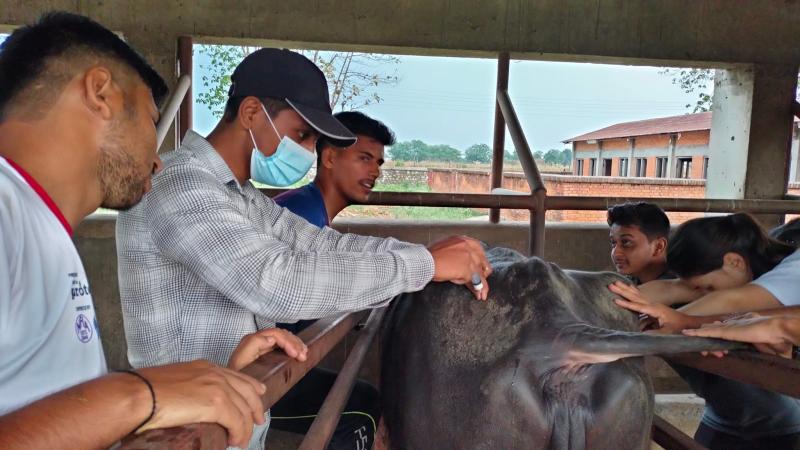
(205,258)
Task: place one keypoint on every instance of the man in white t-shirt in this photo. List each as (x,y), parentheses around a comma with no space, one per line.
(77,131)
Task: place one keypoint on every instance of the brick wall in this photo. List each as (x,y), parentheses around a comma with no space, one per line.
(392,176)
(476,181)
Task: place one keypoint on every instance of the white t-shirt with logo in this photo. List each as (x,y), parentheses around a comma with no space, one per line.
(49,336)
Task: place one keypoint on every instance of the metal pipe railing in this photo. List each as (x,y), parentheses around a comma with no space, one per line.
(748,367)
(671,438)
(538,190)
(185,59)
(498,142)
(276,370)
(170,108)
(520,142)
(321,430)
(504,201)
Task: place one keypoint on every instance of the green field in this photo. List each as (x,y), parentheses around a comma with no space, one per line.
(409,212)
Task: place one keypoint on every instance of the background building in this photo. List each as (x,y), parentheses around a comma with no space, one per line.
(668,147)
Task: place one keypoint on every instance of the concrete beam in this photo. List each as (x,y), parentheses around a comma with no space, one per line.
(613,30)
(771,131)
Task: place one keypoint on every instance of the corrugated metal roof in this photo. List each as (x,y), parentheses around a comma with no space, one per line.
(673,124)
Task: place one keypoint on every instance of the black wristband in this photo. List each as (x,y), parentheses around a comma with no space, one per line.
(152,395)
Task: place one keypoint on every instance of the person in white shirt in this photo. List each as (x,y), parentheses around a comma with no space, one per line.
(77,131)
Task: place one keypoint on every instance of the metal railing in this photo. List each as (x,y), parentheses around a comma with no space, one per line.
(280,373)
(276,370)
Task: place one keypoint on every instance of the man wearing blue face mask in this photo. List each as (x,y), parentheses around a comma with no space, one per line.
(205,258)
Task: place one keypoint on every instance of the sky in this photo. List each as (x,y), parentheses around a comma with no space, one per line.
(445,100)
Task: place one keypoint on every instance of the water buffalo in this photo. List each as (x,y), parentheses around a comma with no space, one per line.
(549,362)
(788,232)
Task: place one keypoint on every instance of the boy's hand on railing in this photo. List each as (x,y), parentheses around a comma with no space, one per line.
(767,334)
(199,391)
(457,259)
(256,344)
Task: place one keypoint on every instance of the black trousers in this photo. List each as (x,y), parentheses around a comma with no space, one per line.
(717,440)
(296,410)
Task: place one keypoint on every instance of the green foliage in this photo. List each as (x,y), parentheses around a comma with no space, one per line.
(566,157)
(353,78)
(417,150)
(694,79)
(478,153)
(538,155)
(510,155)
(690,80)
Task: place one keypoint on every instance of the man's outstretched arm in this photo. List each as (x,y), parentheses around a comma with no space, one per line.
(100,412)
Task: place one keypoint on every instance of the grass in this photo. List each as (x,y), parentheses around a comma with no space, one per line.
(409,212)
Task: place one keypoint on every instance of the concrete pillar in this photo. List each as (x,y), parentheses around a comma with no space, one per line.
(730,131)
(631,161)
(160,50)
(574,159)
(673,139)
(751,133)
(598,168)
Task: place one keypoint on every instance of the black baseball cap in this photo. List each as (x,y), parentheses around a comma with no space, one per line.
(293,78)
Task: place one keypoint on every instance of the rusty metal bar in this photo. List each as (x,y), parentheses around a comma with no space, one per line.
(185,68)
(796,109)
(276,370)
(498,143)
(536,232)
(749,367)
(671,438)
(504,201)
(677,204)
(321,430)
(520,142)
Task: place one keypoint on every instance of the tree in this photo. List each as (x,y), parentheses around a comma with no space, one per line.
(690,80)
(510,155)
(566,157)
(417,150)
(553,157)
(408,151)
(442,152)
(352,77)
(538,155)
(694,79)
(478,153)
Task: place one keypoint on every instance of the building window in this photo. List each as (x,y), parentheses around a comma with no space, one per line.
(578,167)
(705,167)
(606,167)
(661,167)
(641,167)
(593,166)
(623,167)
(684,168)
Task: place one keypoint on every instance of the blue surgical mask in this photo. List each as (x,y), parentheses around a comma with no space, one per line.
(286,166)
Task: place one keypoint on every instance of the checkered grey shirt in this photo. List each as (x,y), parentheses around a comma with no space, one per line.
(204,261)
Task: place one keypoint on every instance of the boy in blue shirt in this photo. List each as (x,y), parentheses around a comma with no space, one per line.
(344,175)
